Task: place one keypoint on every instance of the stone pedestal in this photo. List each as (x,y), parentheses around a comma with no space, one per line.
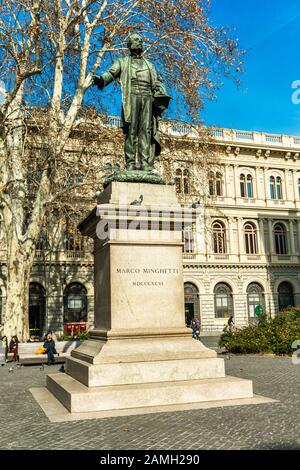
(140,354)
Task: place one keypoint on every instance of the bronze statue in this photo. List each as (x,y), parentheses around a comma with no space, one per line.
(144,99)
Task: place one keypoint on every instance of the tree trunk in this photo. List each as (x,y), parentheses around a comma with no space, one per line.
(17,296)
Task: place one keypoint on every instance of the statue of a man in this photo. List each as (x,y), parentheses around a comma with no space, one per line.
(144,99)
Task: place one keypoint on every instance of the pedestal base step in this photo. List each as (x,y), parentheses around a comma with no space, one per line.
(100,375)
(76,397)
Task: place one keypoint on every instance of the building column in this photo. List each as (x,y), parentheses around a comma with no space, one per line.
(271,238)
(262,247)
(240,236)
(292,239)
(298,236)
(230,235)
(287,189)
(295,185)
(257,195)
(226,182)
(236,182)
(266,185)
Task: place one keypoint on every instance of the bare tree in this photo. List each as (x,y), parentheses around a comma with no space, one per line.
(50,50)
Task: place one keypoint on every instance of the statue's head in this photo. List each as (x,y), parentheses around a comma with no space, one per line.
(135,42)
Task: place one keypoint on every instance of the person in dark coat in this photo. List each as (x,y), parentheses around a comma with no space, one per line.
(49,345)
(230,323)
(13,348)
(195,328)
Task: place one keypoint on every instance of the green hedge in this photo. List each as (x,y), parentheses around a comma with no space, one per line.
(274,335)
(79,336)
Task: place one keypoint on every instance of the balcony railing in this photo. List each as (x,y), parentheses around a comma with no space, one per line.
(76,254)
(275,139)
(217,133)
(181,128)
(244,135)
(254,257)
(226,135)
(187,255)
(220,257)
(57,255)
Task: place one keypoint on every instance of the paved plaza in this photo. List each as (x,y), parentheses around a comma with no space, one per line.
(266,426)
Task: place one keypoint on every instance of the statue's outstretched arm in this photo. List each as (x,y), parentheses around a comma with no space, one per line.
(107,77)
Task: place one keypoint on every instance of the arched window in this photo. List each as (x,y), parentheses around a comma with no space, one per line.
(191,302)
(178,180)
(75,303)
(250,238)
(1,227)
(280,239)
(243,185)
(256,300)
(1,316)
(42,242)
(215,184)
(272,187)
(74,242)
(223,301)
(285,295)
(182,181)
(246,184)
(186,188)
(278,188)
(37,308)
(211,183)
(219,189)
(188,236)
(219,237)
(249,186)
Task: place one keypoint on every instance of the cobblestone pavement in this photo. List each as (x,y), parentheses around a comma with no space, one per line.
(269,426)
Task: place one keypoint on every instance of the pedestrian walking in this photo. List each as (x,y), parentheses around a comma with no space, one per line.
(230,323)
(195,328)
(14,347)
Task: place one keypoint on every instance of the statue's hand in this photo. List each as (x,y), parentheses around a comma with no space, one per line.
(98,82)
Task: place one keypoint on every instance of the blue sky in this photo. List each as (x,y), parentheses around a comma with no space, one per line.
(269,30)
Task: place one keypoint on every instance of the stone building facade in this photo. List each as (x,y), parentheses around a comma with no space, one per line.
(242,255)
(245,252)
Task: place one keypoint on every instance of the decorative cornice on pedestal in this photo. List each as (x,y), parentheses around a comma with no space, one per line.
(134,176)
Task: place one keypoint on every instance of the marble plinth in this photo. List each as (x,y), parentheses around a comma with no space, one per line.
(140,353)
